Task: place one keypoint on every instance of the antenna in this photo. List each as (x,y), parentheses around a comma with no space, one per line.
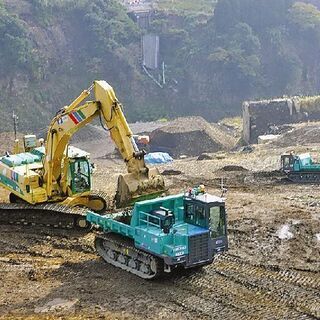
(224,190)
(15,124)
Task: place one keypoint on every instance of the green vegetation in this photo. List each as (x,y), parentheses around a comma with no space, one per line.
(52,50)
(246,49)
(199,6)
(17,52)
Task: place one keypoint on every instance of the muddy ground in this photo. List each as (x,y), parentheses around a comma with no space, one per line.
(270,272)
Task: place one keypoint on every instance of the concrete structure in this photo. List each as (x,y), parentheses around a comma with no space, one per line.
(262,117)
(259,116)
(267,138)
(150,51)
(141,17)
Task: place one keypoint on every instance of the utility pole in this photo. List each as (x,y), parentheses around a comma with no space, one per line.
(15,124)
(163,73)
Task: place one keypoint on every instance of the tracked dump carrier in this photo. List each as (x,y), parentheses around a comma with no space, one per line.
(300,168)
(158,235)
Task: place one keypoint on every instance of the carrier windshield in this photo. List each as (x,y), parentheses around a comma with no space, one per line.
(217,219)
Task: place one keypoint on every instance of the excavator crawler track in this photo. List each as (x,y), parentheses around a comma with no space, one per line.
(52,215)
(121,253)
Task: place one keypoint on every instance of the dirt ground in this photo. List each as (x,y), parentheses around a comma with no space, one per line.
(270,272)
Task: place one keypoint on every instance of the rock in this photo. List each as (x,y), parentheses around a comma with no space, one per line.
(284,232)
(247,149)
(220,156)
(171,172)
(204,156)
(32,275)
(57,305)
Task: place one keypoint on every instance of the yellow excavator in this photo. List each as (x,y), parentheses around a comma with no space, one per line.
(50,183)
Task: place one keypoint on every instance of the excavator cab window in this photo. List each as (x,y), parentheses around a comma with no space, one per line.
(80,176)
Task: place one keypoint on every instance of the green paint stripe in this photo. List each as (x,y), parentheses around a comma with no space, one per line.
(10,184)
(81,114)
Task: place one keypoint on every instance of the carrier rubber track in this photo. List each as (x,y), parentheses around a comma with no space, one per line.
(53,215)
(236,289)
(121,253)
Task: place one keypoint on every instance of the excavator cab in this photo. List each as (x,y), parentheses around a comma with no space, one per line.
(80,175)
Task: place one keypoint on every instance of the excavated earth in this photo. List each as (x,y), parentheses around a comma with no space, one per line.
(191,136)
(270,272)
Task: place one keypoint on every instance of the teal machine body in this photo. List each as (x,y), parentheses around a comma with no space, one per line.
(185,229)
(300,168)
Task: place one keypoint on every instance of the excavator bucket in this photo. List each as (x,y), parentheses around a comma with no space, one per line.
(132,188)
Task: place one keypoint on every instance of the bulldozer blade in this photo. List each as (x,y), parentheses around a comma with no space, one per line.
(132,188)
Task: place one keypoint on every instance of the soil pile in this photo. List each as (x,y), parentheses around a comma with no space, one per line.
(191,136)
(233,168)
(90,133)
(94,132)
(300,135)
(97,141)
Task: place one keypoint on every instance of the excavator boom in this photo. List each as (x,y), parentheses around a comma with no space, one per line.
(139,183)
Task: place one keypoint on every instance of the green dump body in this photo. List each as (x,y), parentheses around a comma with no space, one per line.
(304,162)
(163,228)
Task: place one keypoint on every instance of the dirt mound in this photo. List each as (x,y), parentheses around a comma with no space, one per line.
(94,132)
(204,156)
(301,135)
(233,168)
(90,133)
(191,136)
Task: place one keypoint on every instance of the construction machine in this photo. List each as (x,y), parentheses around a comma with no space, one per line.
(300,168)
(45,181)
(185,230)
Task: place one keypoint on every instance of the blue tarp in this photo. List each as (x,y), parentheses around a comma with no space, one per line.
(157,158)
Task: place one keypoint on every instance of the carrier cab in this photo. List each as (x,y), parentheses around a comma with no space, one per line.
(208,236)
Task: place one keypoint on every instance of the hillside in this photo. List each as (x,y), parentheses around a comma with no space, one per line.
(52,50)
(55,50)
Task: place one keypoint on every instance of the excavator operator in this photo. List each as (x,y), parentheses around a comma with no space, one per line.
(81,181)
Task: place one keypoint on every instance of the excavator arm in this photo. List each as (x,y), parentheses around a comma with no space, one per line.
(140,182)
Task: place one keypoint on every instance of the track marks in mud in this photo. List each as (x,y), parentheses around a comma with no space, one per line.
(233,288)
